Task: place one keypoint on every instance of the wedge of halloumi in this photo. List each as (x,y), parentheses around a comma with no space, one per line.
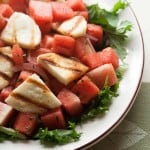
(24,106)
(63,69)
(21,29)
(35,92)
(6,66)
(5,113)
(75,27)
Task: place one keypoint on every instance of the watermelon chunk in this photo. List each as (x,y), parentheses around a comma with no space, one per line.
(26,123)
(6,10)
(54,119)
(103,74)
(92,60)
(96,34)
(76,5)
(43,18)
(63,44)
(83,47)
(82,13)
(85,89)
(61,12)
(70,102)
(109,55)
(20,5)
(2,25)
(47,41)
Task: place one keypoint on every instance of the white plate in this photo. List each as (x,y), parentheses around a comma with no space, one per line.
(95,130)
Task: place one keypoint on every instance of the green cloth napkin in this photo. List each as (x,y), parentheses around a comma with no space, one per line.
(134,132)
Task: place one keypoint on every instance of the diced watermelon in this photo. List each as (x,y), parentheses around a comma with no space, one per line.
(103,74)
(19,5)
(42,13)
(109,55)
(23,76)
(17,54)
(70,102)
(54,119)
(5,92)
(6,10)
(82,13)
(83,47)
(6,112)
(76,5)
(63,44)
(26,123)
(2,24)
(47,41)
(85,89)
(55,85)
(92,60)
(61,12)
(96,34)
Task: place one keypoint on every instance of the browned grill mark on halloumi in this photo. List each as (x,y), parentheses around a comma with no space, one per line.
(26,99)
(75,25)
(42,86)
(5,76)
(6,57)
(74,69)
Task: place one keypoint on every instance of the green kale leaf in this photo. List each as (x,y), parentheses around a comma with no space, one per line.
(115,32)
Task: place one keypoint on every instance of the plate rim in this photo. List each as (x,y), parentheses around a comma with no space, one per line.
(121,118)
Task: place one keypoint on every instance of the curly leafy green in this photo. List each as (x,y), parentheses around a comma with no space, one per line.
(115,31)
(101,103)
(10,134)
(58,136)
(119,6)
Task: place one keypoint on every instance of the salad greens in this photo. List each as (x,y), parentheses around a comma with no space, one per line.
(115,33)
(10,134)
(101,102)
(58,136)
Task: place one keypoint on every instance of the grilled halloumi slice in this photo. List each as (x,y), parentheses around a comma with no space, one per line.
(63,69)
(35,92)
(24,106)
(21,29)
(75,27)
(6,66)
(5,113)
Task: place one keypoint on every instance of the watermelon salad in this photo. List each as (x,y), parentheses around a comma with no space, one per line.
(60,65)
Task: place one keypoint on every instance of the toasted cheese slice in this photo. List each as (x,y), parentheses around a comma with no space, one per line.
(5,113)
(24,106)
(6,66)
(6,51)
(21,29)
(63,69)
(3,82)
(75,27)
(32,90)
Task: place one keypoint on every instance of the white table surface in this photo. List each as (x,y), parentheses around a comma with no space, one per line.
(142,11)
